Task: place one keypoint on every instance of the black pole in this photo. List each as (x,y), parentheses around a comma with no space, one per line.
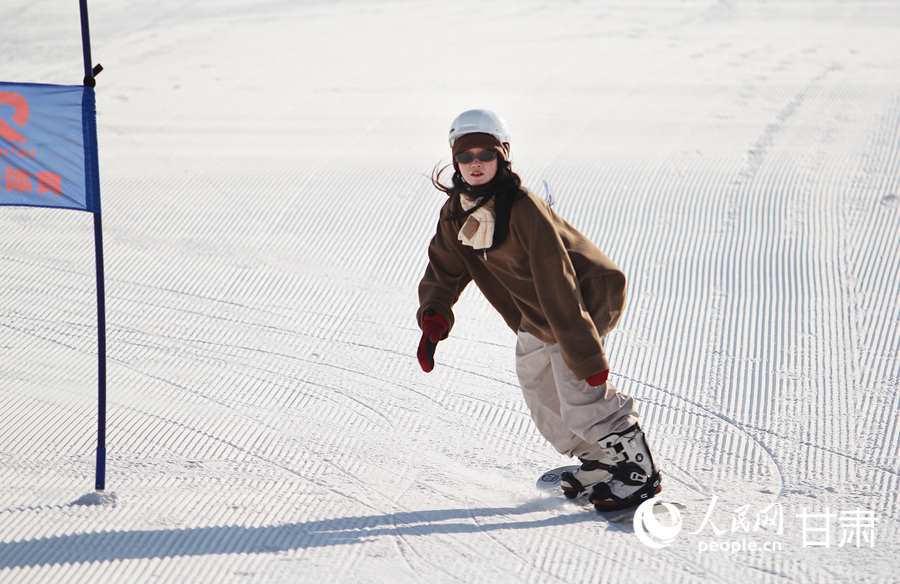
(86,42)
(100,482)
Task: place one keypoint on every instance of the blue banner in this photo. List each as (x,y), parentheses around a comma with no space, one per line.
(48,146)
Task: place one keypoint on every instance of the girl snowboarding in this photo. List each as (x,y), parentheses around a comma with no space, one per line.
(557,291)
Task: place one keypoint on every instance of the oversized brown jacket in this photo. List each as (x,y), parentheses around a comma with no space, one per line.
(545,278)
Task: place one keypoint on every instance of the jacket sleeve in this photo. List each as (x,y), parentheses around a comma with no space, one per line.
(560,297)
(446,276)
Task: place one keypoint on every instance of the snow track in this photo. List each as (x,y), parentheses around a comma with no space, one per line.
(267,208)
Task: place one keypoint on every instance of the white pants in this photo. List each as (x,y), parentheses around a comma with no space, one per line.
(568,412)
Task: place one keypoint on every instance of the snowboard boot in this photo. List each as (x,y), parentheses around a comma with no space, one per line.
(573,484)
(634,477)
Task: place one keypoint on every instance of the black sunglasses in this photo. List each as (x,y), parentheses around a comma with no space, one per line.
(483,156)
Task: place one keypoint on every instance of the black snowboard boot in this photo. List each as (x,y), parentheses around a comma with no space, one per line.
(591,472)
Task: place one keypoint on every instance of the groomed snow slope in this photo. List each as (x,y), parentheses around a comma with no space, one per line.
(266,210)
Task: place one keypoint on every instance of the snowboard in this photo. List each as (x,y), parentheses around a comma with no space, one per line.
(549,483)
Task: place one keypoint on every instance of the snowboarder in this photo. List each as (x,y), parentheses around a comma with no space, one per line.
(557,291)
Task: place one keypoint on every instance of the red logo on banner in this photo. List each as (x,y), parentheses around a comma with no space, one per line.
(20,116)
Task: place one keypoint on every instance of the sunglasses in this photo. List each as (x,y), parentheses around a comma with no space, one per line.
(483,156)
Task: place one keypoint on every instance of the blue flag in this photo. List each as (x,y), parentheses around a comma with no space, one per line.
(48,146)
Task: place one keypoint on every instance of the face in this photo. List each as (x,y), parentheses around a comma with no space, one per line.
(477,172)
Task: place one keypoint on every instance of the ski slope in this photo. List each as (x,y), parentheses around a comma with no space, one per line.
(266,209)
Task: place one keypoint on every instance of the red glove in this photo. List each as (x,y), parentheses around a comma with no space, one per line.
(434,328)
(598,379)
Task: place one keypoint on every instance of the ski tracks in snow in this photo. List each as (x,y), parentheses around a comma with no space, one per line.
(267,415)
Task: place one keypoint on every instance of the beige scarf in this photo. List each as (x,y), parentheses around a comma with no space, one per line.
(478,230)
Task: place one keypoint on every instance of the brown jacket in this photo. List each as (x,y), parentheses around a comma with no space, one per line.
(546,278)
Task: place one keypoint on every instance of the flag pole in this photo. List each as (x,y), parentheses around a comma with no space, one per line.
(100,482)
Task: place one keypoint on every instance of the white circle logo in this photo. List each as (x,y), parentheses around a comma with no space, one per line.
(650,530)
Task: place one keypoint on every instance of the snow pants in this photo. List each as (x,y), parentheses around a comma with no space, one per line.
(568,412)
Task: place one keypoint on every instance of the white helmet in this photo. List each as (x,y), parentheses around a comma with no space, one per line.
(482,121)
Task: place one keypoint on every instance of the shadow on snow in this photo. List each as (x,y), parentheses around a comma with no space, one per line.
(238,539)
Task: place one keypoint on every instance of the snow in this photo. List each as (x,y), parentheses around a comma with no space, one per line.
(266,208)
